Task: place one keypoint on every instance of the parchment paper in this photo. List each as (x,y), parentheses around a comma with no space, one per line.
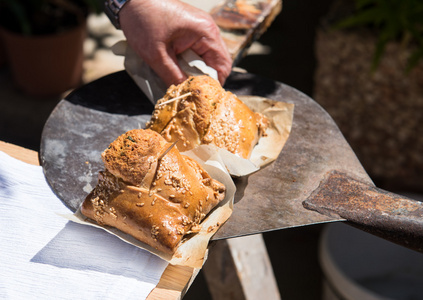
(192,251)
(280,114)
(219,163)
(147,80)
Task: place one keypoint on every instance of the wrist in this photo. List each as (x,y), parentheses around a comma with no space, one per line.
(112,9)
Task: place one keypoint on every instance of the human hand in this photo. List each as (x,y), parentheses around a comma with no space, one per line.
(160,30)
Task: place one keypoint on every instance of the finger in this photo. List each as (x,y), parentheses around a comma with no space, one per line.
(214,56)
(223,68)
(166,66)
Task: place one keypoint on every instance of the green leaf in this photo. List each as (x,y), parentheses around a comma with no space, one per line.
(363,18)
(392,20)
(19,11)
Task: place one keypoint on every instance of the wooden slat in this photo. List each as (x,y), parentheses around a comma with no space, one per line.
(174,283)
(240,269)
(23,154)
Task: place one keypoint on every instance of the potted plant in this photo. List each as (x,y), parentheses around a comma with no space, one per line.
(391,20)
(369,78)
(43,40)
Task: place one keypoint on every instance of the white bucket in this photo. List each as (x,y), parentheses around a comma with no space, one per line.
(358,265)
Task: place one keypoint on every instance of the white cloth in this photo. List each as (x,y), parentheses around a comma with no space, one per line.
(45,256)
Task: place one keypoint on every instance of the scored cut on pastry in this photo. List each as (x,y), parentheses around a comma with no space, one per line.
(199,111)
(151,191)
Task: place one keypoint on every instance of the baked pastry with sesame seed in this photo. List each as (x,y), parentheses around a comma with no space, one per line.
(199,111)
(150,191)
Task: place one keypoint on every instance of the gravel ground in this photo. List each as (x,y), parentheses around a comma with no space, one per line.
(380,113)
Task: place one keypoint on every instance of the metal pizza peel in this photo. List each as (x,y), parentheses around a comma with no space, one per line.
(317,178)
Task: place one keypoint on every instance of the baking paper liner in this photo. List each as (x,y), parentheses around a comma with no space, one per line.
(279,114)
(191,252)
(219,163)
(147,80)
(268,148)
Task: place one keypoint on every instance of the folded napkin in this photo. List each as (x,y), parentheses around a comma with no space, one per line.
(45,256)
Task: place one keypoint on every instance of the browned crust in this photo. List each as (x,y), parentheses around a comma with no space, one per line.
(172,198)
(131,155)
(233,127)
(204,94)
(209,115)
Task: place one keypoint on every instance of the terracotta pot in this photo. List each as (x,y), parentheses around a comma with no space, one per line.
(46,65)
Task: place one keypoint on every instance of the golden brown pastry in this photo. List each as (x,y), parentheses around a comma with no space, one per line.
(199,111)
(154,194)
